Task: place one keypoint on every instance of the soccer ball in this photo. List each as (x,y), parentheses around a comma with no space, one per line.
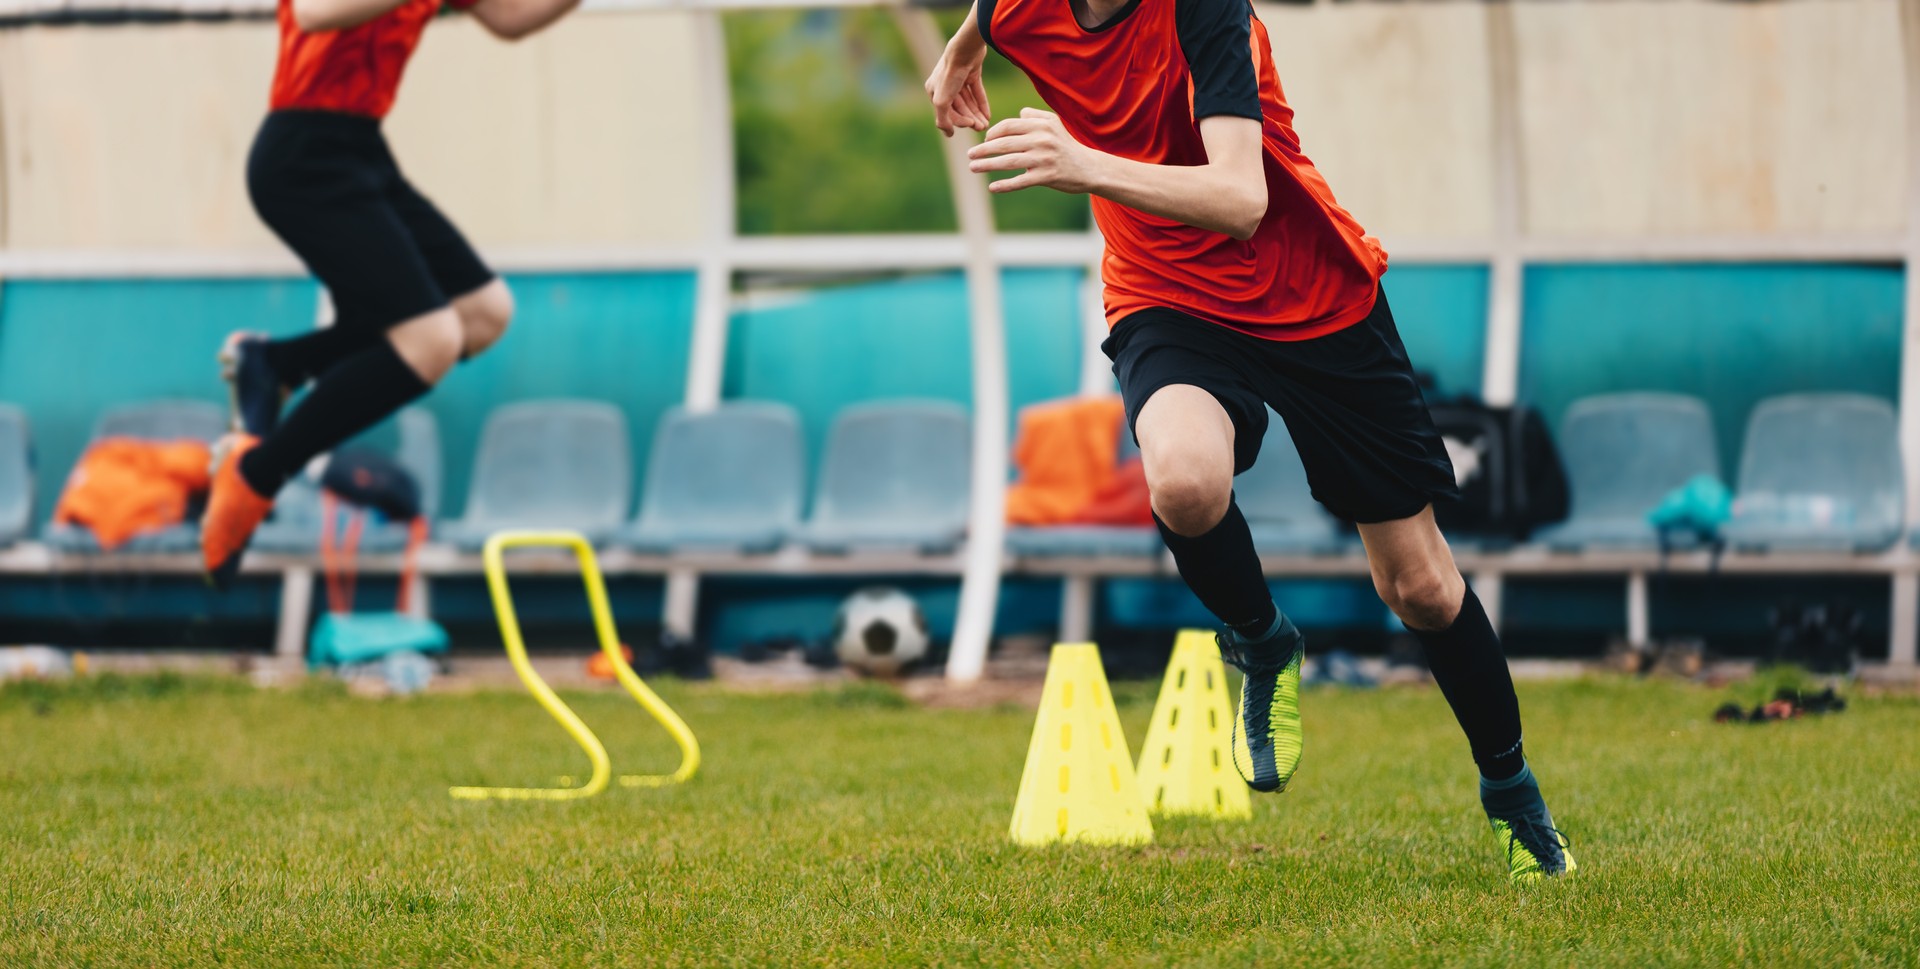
(880,631)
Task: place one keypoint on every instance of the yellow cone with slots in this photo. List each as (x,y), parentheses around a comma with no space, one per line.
(1078,785)
(1186,765)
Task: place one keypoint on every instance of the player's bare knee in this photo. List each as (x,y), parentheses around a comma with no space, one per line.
(1424,597)
(485,315)
(1191,501)
(430,343)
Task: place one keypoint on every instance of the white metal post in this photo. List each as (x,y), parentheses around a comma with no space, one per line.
(980,583)
(1500,381)
(713,288)
(1904,627)
(1639,610)
(1096,372)
(296,609)
(1076,609)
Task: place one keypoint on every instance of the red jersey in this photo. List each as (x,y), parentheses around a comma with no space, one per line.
(351,71)
(1137,86)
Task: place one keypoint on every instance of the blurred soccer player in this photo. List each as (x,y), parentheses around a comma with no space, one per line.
(1234,281)
(411,297)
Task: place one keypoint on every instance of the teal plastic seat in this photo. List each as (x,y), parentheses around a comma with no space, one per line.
(732,479)
(1084,542)
(16,475)
(895,476)
(294,528)
(1624,453)
(548,464)
(1279,505)
(1819,472)
(157,420)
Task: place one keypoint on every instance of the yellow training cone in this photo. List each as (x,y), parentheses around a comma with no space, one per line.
(1078,784)
(1186,765)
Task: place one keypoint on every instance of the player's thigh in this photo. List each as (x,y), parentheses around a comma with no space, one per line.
(329,207)
(1358,419)
(1185,433)
(453,262)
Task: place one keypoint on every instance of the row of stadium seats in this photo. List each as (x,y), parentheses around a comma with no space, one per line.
(1819,472)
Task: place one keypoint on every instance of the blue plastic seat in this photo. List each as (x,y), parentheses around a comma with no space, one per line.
(294,528)
(1623,454)
(895,476)
(1279,505)
(1819,472)
(732,479)
(548,464)
(157,420)
(16,475)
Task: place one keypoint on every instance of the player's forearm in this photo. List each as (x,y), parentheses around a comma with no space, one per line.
(967,45)
(315,16)
(1211,196)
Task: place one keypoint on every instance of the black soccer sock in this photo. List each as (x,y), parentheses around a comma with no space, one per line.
(356,394)
(1472,673)
(1223,570)
(299,359)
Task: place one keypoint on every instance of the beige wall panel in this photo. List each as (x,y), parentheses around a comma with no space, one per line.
(1393,106)
(1657,117)
(589,134)
(132,137)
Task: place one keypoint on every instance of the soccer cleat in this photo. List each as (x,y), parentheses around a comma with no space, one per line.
(1535,849)
(1266,736)
(234,512)
(253,388)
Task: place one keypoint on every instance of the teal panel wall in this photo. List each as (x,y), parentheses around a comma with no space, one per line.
(826,348)
(1441,312)
(1731,334)
(69,349)
(617,337)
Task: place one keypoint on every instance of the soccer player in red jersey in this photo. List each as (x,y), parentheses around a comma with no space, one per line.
(411,297)
(1235,282)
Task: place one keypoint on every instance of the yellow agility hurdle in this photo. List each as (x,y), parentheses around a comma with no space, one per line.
(493,556)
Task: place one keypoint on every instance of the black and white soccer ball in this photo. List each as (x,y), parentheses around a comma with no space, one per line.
(880,631)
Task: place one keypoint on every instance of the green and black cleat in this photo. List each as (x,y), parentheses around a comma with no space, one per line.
(1266,738)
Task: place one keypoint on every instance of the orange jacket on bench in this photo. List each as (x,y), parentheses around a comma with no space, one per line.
(1065,454)
(125,486)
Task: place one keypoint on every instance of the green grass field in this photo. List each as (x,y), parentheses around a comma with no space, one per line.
(174,822)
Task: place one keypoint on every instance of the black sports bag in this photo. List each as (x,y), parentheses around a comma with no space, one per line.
(1506,466)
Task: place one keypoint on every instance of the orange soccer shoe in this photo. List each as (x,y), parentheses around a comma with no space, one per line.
(234,511)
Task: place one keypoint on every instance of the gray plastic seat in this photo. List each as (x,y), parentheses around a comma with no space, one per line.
(1819,472)
(895,476)
(157,420)
(294,528)
(16,475)
(548,464)
(1624,453)
(732,479)
(1279,505)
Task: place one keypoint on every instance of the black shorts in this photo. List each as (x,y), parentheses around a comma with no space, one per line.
(1349,399)
(328,186)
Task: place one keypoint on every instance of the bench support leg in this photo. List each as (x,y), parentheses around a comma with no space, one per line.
(1076,609)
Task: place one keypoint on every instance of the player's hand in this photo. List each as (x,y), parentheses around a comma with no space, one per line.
(1037,142)
(959,98)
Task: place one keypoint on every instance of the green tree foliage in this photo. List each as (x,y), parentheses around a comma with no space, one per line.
(833,134)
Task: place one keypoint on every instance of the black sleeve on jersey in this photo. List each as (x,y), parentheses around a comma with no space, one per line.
(983,18)
(1215,36)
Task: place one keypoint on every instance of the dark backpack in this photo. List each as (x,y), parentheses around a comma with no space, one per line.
(1506,466)
(373,480)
